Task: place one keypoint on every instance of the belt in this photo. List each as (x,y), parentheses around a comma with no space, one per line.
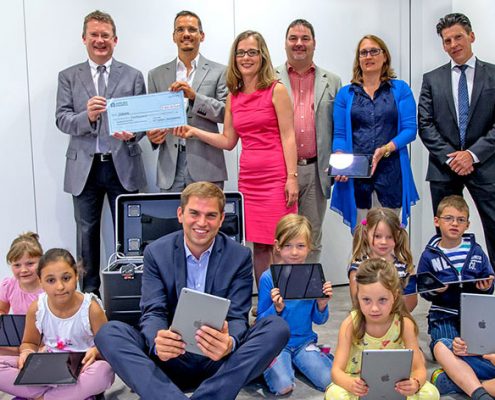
(307,161)
(181,147)
(103,157)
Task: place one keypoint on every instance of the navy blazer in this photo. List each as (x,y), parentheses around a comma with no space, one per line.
(229,275)
(438,128)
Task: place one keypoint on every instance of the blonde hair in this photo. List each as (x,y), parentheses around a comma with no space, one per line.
(378,270)
(361,248)
(291,226)
(266,74)
(26,243)
(387,71)
(454,201)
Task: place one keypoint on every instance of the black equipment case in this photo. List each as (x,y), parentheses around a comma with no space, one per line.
(141,219)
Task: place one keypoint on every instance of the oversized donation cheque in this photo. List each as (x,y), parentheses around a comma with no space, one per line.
(145,112)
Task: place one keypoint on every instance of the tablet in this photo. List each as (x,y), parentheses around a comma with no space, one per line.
(11,329)
(350,165)
(423,282)
(382,369)
(50,369)
(478,322)
(298,281)
(194,310)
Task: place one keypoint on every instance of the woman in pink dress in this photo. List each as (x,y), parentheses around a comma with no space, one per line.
(259,111)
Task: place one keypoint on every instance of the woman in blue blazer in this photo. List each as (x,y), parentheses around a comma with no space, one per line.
(375,114)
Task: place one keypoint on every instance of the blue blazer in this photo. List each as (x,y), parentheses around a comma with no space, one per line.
(343,200)
(229,275)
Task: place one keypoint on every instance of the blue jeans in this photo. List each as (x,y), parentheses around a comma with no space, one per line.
(308,359)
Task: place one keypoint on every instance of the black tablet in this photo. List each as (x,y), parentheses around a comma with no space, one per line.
(50,369)
(11,329)
(423,282)
(298,281)
(350,165)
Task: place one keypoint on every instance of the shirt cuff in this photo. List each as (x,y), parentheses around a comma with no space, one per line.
(233,344)
(475,158)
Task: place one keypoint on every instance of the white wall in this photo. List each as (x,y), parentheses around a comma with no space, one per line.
(41,38)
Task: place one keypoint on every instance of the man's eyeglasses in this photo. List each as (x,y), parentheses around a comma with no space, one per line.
(182,29)
(450,219)
(250,53)
(372,52)
(103,36)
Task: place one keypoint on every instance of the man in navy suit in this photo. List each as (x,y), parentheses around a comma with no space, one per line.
(152,361)
(97,163)
(456,114)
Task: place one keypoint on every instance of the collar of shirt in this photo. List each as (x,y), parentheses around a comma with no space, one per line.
(181,70)
(197,268)
(471,63)
(94,71)
(311,69)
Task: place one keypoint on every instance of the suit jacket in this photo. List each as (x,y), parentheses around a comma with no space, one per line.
(204,162)
(327,85)
(438,128)
(229,275)
(75,88)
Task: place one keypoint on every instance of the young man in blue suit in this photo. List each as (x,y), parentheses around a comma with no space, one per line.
(456,118)
(152,361)
(97,164)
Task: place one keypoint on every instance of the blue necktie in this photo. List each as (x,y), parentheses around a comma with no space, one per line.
(463,98)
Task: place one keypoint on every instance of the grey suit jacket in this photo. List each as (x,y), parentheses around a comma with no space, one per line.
(75,88)
(438,128)
(327,85)
(204,162)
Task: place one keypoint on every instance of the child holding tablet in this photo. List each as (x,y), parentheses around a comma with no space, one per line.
(379,320)
(293,242)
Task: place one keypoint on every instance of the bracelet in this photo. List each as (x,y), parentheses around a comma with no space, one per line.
(294,174)
(417,381)
(388,150)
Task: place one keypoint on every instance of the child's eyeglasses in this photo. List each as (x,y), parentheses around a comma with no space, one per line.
(450,219)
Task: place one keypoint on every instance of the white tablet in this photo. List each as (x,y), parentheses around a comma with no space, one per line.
(194,310)
(478,322)
(382,369)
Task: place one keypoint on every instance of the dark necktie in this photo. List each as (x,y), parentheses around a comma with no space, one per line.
(463,99)
(103,137)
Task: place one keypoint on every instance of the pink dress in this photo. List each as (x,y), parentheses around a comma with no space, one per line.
(19,300)
(262,172)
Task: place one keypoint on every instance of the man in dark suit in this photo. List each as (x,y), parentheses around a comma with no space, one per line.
(312,90)
(97,163)
(205,92)
(153,361)
(456,116)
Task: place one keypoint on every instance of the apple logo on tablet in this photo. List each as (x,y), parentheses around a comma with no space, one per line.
(198,324)
(482,324)
(385,378)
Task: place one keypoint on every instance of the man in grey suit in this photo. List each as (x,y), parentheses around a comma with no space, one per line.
(205,92)
(456,114)
(97,163)
(313,90)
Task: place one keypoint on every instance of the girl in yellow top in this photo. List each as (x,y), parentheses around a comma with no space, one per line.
(379,321)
